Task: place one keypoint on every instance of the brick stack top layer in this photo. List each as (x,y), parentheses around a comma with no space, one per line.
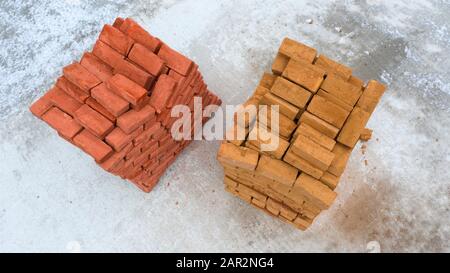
(115,103)
(323,112)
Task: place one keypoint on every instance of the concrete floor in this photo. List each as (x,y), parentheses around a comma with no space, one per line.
(395,197)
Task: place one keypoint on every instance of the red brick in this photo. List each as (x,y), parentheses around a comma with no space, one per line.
(112,162)
(164,139)
(185,82)
(116,158)
(105,53)
(163,116)
(39,107)
(118,168)
(93,146)
(176,76)
(164,147)
(142,104)
(163,157)
(175,60)
(96,66)
(158,171)
(118,22)
(197,80)
(215,100)
(63,101)
(159,133)
(142,158)
(93,121)
(62,122)
(118,139)
(146,184)
(134,73)
(174,98)
(165,70)
(71,89)
(135,152)
(116,39)
(132,119)
(146,135)
(162,91)
(131,171)
(150,123)
(197,86)
(145,58)
(81,77)
(140,35)
(127,89)
(113,103)
(150,145)
(150,165)
(99,108)
(168,122)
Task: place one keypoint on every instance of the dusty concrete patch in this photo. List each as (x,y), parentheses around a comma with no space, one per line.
(396,194)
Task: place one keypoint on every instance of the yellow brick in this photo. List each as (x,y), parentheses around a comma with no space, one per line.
(316,136)
(291,92)
(277,187)
(273,206)
(236,134)
(297,51)
(249,191)
(285,107)
(356,81)
(252,101)
(366,134)
(341,156)
(341,89)
(247,198)
(259,203)
(371,96)
(246,114)
(230,182)
(302,164)
(238,156)
(261,135)
(319,124)
(286,125)
(231,190)
(330,180)
(332,98)
(276,170)
(251,146)
(314,190)
(267,80)
(352,129)
(310,210)
(302,223)
(288,213)
(260,91)
(303,74)
(333,67)
(328,111)
(312,152)
(279,64)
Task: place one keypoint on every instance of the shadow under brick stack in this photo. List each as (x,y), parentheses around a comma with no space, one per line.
(323,111)
(115,103)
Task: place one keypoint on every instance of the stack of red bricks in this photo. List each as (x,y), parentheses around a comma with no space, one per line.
(323,111)
(115,103)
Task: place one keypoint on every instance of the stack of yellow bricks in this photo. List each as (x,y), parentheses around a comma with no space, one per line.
(323,111)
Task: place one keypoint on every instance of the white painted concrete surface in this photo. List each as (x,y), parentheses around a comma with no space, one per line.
(53,198)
